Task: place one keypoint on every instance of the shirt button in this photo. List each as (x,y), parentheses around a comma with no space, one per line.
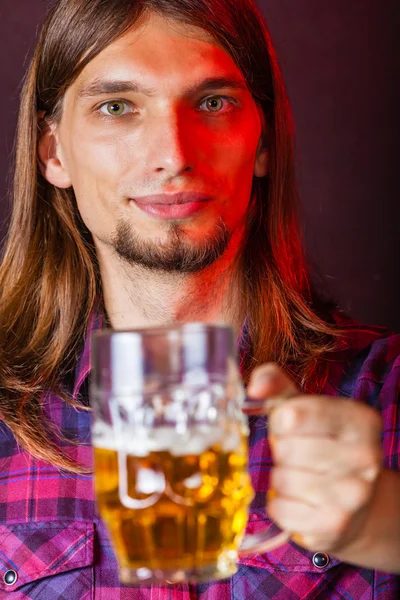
(320,560)
(10,577)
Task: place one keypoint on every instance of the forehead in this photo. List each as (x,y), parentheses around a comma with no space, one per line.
(162,52)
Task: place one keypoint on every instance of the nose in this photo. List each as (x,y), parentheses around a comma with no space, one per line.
(171,149)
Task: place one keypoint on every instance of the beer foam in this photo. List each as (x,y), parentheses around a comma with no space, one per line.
(103,436)
(197,440)
(141,441)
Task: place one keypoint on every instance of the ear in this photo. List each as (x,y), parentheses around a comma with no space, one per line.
(261,162)
(51,163)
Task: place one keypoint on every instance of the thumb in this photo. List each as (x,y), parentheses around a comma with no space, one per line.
(269,380)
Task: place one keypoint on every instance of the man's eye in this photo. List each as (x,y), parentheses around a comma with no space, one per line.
(115,108)
(214,103)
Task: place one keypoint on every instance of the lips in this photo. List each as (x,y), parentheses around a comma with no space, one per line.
(181,205)
(178,198)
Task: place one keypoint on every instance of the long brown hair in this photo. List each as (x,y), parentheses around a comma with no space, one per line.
(49,277)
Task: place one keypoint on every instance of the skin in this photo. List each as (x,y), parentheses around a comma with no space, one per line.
(328,487)
(167,142)
(328,482)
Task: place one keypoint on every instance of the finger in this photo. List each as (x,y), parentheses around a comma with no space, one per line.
(269,380)
(269,386)
(314,489)
(320,527)
(324,455)
(327,416)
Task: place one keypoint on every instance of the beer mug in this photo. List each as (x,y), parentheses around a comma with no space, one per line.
(170,447)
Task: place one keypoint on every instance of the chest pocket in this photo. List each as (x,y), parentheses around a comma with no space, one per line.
(46,560)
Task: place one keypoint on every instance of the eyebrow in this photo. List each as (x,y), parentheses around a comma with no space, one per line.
(99,87)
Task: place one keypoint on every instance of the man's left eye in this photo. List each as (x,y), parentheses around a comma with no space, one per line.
(115,108)
(214,103)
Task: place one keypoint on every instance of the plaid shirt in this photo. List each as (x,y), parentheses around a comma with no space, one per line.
(54,545)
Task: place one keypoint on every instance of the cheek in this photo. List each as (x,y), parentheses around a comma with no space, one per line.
(92,182)
(234,160)
(93,161)
(97,167)
(236,150)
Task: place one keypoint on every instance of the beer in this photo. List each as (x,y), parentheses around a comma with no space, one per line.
(168,511)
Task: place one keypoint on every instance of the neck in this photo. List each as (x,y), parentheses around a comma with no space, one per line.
(137,297)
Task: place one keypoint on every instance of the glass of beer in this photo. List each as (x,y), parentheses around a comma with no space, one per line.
(170,444)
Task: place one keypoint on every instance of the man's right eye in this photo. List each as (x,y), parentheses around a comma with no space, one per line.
(115,108)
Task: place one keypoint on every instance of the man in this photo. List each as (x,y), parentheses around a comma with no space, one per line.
(163,191)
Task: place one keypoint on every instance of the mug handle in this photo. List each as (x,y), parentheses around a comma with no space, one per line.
(260,542)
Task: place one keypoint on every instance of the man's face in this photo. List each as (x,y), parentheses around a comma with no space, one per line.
(162,110)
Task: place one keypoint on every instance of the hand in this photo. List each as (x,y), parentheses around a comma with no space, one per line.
(327,461)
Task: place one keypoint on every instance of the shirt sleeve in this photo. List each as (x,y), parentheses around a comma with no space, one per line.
(378,384)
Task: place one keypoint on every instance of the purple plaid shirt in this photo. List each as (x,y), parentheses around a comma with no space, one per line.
(54,546)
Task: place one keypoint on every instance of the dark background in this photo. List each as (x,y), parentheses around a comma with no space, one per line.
(341,62)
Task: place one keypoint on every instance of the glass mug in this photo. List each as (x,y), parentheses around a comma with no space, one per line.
(170,446)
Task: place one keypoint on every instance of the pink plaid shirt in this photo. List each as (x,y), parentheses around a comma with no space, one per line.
(54,546)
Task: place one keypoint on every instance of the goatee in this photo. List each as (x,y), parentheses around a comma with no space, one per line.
(177,254)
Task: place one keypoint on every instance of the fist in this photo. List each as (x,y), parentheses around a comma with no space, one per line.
(327,460)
